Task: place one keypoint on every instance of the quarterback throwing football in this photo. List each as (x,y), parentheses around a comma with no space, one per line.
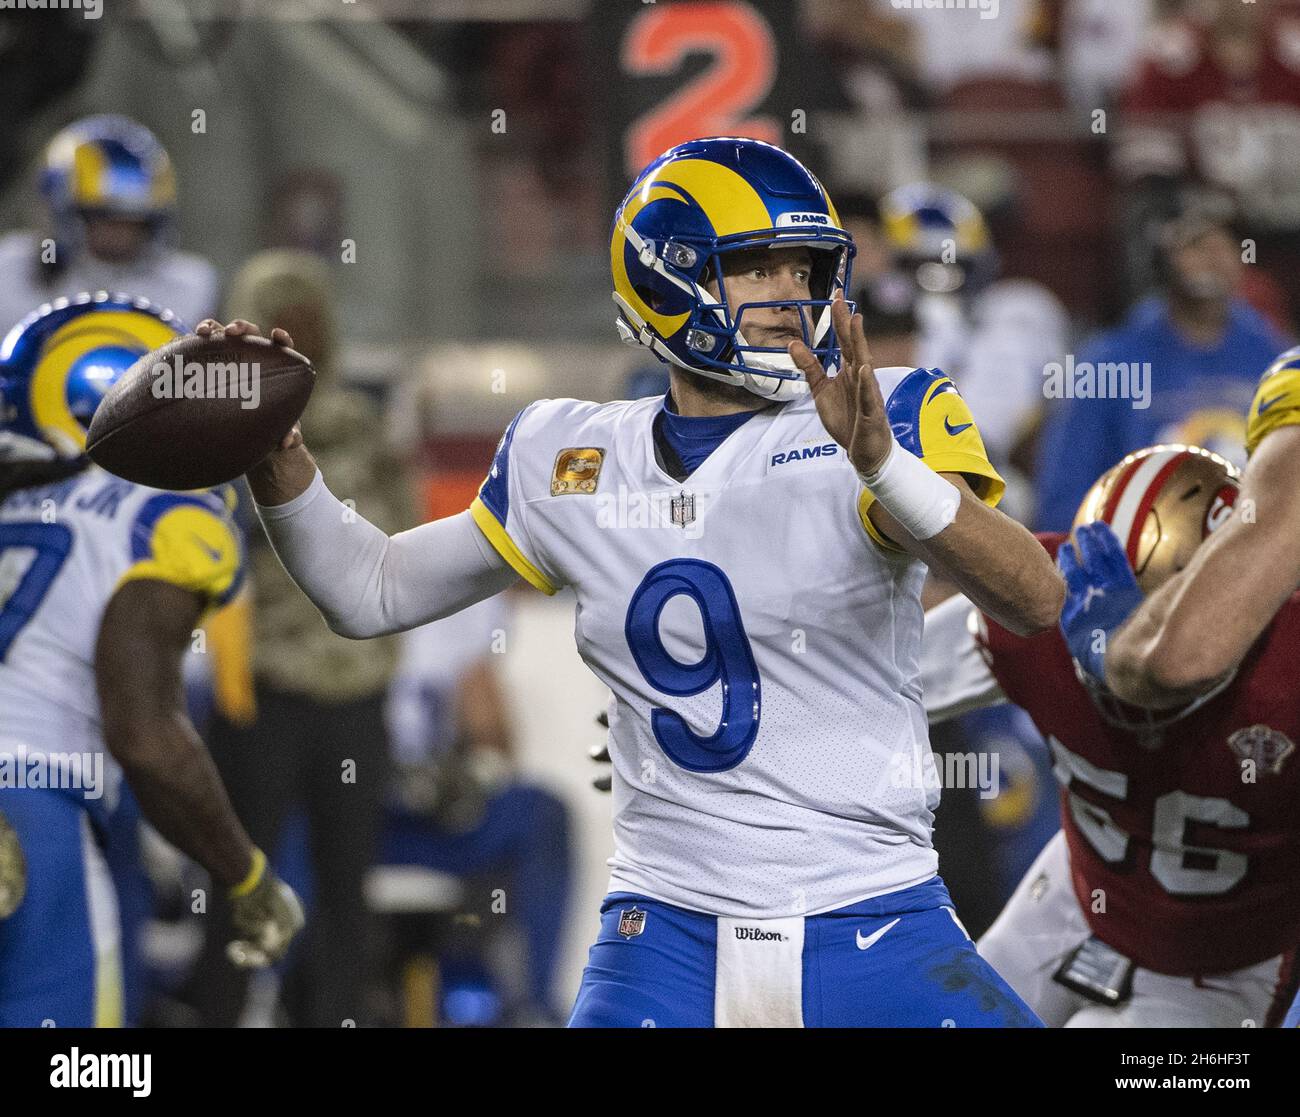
(759,626)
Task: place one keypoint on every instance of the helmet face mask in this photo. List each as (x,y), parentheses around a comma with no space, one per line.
(725,346)
(1161,502)
(1148,726)
(688,212)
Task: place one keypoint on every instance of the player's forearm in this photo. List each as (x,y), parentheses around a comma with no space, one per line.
(998,564)
(1143,664)
(1200,624)
(179,789)
(142,638)
(992,559)
(367,583)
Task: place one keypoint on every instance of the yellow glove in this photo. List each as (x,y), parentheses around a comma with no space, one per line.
(13,870)
(266,914)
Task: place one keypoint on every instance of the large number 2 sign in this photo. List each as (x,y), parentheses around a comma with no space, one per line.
(727,659)
(718,101)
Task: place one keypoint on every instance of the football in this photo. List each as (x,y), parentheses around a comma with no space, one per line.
(199,411)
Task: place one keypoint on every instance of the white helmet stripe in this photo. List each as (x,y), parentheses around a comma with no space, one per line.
(1131,499)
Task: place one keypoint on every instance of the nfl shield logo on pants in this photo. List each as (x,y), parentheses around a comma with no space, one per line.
(631,922)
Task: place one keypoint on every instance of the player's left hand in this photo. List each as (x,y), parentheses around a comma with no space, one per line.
(267,914)
(1101,594)
(850,403)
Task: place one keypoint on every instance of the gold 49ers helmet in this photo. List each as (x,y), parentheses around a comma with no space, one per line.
(1161,503)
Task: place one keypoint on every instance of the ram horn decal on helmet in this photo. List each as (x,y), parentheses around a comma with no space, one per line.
(685,212)
(56,365)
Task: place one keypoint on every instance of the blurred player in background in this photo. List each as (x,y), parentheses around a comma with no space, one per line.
(312,737)
(940,241)
(1186,360)
(747,555)
(992,335)
(461,805)
(110,195)
(102,583)
(1170,898)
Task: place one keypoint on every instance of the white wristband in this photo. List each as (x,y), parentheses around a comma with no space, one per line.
(910,491)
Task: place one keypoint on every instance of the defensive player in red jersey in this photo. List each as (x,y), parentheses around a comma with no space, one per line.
(1165,647)
(1171,896)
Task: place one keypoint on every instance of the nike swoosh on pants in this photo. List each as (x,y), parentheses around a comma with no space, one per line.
(870,940)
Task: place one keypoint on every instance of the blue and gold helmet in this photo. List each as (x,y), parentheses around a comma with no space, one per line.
(56,365)
(939,237)
(106,165)
(692,205)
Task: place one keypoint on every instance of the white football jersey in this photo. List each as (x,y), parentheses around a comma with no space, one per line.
(762,649)
(180,282)
(64,550)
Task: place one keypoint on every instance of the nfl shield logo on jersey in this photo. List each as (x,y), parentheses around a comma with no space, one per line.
(631,922)
(683,509)
(1266,748)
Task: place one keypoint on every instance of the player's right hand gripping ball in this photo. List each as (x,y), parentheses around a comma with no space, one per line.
(200,411)
(266,914)
(13,870)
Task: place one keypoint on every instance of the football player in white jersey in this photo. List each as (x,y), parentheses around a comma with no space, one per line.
(747,556)
(110,194)
(102,584)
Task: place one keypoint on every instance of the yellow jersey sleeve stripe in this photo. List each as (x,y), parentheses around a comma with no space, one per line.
(505,547)
(950,442)
(256,870)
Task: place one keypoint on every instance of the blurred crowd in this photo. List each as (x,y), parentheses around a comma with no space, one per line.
(1084,189)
